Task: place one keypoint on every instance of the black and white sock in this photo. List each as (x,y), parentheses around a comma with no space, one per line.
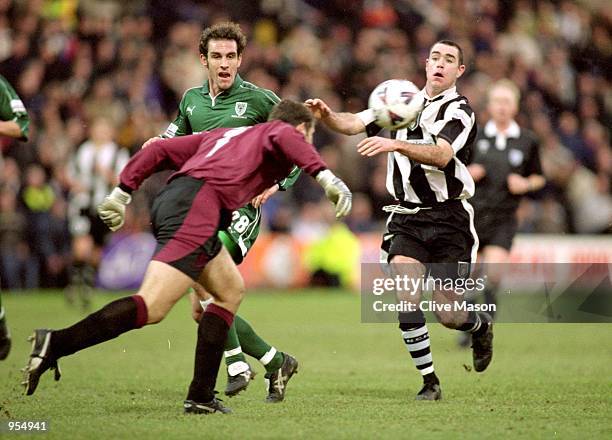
(490,298)
(475,324)
(416,338)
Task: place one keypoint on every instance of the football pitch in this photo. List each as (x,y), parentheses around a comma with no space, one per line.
(355,380)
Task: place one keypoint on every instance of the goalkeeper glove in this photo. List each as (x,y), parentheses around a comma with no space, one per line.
(112,210)
(336,191)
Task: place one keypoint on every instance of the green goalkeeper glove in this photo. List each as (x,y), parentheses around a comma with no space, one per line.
(336,191)
(112,210)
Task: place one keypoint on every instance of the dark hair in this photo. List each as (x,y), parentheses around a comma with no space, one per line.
(223,31)
(453,44)
(292,112)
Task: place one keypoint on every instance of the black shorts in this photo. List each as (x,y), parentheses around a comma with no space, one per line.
(497,229)
(186,217)
(442,237)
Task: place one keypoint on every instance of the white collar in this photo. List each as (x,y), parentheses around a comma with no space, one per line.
(513,131)
(448,92)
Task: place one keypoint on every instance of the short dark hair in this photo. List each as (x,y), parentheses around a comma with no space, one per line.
(453,44)
(227,30)
(292,112)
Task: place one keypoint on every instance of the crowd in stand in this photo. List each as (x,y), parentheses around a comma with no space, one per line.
(123,66)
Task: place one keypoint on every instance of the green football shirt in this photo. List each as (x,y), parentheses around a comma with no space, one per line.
(12,108)
(243,104)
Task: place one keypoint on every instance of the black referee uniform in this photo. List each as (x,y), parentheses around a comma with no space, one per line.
(432,221)
(515,151)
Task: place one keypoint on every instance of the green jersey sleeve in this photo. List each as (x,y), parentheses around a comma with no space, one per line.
(290,180)
(264,100)
(180,126)
(12,108)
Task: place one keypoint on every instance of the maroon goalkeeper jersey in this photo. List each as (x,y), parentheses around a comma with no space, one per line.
(238,162)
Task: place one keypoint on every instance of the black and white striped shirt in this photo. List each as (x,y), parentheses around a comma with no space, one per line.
(449,116)
(84,168)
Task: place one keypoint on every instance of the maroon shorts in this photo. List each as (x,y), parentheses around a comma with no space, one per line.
(186,216)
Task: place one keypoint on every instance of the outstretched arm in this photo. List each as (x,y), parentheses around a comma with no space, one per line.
(161,154)
(345,123)
(299,151)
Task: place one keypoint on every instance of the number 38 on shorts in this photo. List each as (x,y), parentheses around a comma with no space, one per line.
(244,228)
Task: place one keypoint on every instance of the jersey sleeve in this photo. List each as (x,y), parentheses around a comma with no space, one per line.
(15,106)
(368,119)
(266,99)
(180,126)
(456,126)
(162,154)
(290,180)
(292,145)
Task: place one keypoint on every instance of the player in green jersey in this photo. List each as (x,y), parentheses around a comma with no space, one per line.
(226,100)
(14,123)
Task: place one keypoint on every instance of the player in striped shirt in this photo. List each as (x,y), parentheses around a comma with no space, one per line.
(14,123)
(430,231)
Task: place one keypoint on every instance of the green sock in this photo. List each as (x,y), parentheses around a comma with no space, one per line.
(234,357)
(255,346)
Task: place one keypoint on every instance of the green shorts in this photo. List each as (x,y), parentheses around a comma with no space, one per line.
(240,236)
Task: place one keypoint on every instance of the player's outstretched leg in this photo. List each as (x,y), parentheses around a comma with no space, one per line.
(280,367)
(107,323)
(239,372)
(5,335)
(416,338)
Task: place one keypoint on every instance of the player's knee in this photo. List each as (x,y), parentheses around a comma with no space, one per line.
(411,320)
(236,291)
(156,309)
(155,315)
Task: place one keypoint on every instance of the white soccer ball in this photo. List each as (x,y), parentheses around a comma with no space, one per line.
(394,103)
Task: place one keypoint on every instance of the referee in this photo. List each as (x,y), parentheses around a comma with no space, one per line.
(505,166)
(431,222)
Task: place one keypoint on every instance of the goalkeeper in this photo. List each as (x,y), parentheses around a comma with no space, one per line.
(217,172)
(225,100)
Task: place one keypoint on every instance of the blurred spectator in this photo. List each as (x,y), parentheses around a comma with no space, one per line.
(20,269)
(93,172)
(332,257)
(38,197)
(360,219)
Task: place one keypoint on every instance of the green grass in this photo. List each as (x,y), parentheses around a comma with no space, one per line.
(355,381)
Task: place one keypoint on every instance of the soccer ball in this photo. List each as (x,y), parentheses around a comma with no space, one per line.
(394,103)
